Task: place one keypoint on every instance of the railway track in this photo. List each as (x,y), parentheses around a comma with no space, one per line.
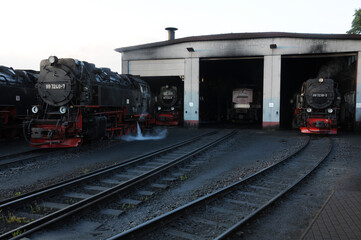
(221,214)
(41,208)
(6,160)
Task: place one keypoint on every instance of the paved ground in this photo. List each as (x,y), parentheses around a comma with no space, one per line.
(340,216)
(339,219)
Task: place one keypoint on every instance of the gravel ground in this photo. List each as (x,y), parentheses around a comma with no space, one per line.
(240,156)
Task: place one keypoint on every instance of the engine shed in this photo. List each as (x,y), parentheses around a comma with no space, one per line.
(271,64)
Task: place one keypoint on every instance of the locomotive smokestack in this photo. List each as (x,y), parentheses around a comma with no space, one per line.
(171,32)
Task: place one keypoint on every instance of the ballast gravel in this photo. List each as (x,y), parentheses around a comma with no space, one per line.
(247,152)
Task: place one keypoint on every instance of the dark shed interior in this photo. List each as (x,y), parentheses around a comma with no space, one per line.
(297,69)
(218,79)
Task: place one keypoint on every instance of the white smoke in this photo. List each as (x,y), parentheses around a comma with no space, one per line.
(157,134)
(331,69)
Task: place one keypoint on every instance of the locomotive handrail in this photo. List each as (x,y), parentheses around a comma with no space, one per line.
(6,80)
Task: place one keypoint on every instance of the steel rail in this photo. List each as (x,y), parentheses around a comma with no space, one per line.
(67,211)
(155,223)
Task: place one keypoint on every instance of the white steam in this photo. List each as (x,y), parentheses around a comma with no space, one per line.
(158,134)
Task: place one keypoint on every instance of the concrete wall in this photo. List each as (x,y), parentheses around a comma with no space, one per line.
(271,91)
(150,68)
(358,93)
(191,92)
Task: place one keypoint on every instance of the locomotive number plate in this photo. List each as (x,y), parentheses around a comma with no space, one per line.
(55,86)
(319,95)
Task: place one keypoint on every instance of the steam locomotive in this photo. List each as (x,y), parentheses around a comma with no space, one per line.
(82,102)
(17,95)
(168,109)
(317,107)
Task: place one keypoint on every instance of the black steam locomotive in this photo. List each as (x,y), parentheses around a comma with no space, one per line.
(17,95)
(80,101)
(168,109)
(317,107)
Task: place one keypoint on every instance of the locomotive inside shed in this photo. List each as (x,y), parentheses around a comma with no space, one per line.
(219,79)
(297,69)
(156,83)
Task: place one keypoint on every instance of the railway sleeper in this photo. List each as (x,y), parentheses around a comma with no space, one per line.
(262,188)
(125,176)
(95,188)
(128,201)
(253,194)
(112,181)
(180,234)
(77,195)
(240,202)
(205,221)
(112,212)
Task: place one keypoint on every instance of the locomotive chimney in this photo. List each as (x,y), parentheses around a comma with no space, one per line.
(171,32)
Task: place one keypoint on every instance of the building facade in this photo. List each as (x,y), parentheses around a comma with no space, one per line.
(279,54)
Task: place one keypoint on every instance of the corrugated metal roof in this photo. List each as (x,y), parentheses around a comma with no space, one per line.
(239,36)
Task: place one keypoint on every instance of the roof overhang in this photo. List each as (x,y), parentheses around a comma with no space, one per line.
(241,36)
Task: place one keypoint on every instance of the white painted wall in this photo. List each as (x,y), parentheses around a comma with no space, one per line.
(191,92)
(150,68)
(271,91)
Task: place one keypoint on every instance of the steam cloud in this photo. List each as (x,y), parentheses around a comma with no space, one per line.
(158,134)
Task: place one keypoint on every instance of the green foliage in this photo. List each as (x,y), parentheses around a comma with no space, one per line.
(14,219)
(17,233)
(356,23)
(36,208)
(183,178)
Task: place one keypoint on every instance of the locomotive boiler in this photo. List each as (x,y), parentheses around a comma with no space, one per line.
(17,95)
(317,107)
(82,102)
(168,109)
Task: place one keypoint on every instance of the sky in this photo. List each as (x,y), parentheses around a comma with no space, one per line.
(90,30)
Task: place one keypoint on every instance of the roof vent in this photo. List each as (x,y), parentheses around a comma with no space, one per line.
(171,32)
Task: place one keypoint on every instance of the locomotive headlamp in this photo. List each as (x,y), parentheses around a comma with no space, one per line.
(62,109)
(35,109)
(53,59)
(172,108)
(309,110)
(159,108)
(330,110)
(320,80)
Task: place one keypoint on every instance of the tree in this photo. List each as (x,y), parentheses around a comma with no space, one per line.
(356,23)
